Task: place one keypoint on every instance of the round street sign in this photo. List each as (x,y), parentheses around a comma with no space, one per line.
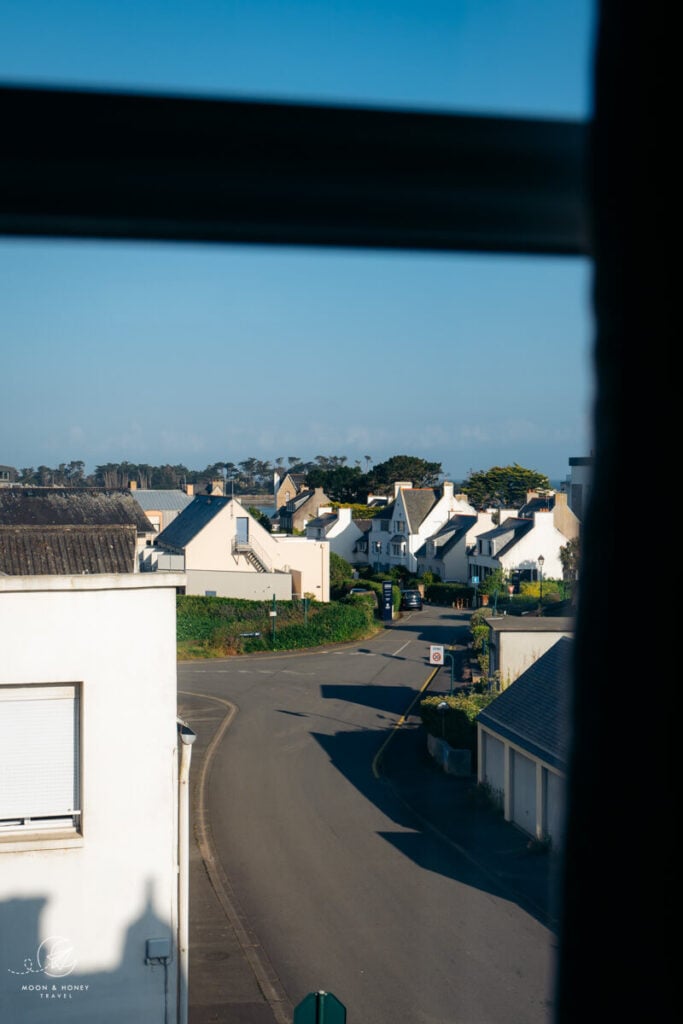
(436,654)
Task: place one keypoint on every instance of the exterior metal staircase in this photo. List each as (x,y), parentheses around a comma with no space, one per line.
(252,554)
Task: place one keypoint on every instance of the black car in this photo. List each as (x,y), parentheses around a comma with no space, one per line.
(411,599)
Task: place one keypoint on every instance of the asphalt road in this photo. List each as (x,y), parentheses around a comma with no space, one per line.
(339,886)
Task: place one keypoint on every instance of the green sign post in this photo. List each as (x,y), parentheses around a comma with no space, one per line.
(320,1008)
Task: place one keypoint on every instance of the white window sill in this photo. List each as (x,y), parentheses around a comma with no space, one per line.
(16,842)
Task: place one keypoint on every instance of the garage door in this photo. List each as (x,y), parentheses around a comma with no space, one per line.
(524,792)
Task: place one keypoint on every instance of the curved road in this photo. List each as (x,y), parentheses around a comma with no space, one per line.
(341,886)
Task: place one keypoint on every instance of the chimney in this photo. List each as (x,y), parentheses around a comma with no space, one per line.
(344,515)
(133,485)
(217,487)
(189,489)
(401,485)
(447,489)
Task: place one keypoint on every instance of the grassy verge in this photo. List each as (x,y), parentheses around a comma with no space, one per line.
(217,627)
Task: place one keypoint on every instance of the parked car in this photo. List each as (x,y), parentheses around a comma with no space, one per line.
(411,600)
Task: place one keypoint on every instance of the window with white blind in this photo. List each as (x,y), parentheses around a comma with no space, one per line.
(40,757)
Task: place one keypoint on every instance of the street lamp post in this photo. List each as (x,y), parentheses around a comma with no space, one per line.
(541,560)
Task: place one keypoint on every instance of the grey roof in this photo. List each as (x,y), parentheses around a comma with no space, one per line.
(539,504)
(162,501)
(67,550)
(329,519)
(66,506)
(518,528)
(364,525)
(534,711)
(450,534)
(191,521)
(418,502)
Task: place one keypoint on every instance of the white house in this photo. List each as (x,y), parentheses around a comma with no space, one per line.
(542,527)
(416,513)
(93,856)
(225,552)
(340,530)
(523,739)
(446,552)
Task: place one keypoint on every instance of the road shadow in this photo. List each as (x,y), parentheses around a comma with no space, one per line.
(449,831)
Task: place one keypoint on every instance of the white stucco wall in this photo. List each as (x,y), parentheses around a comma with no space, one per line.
(245,586)
(109,890)
(516,651)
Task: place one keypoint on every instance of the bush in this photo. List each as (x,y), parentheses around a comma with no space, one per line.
(457,725)
(220,626)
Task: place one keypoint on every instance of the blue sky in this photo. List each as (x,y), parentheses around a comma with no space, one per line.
(194,354)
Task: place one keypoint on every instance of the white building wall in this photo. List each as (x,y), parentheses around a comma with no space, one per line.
(211,550)
(109,890)
(246,586)
(518,651)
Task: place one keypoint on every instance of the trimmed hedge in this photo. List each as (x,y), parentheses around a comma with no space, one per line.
(457,725)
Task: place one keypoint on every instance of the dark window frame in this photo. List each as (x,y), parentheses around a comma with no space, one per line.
(106,165)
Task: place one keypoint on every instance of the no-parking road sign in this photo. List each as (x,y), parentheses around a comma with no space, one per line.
(436,654)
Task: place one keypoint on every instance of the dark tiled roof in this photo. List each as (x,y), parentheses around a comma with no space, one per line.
(364,525)
(329,519)
(66,550)
(534,711)
(191,521)
(518,528)
(450,534)
(56,506)
(546,504)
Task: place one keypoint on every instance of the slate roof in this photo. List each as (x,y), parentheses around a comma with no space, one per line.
(161,500)
(324,522)
(191,521)
(545,504)
(57,506)
(518,527)
(534,711)
(418,502)
(67,550)
(450,534)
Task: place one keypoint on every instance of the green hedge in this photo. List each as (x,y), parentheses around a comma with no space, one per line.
(457,725)
(216,626)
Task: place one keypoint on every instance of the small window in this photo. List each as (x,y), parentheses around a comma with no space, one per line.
(40,772)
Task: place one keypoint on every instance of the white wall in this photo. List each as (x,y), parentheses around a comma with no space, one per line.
(246,586)
(109,890)
(517,651)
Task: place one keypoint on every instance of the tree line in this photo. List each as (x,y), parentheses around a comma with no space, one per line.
(342,480)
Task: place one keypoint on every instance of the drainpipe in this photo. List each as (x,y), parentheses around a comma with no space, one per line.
(187,738)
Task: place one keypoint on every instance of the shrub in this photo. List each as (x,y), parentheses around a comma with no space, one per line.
(457,724)
(220,626)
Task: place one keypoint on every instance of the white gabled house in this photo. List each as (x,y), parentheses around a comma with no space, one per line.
(341,531)
(542,527)
(416,513)
(447,551)
(225,552)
